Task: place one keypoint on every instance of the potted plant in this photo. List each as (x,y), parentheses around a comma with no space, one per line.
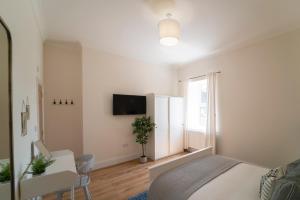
(142,127)
(39,165)
(5,173)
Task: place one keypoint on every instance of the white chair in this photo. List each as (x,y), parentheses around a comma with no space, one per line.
(84,165)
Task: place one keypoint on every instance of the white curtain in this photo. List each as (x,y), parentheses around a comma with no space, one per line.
(185,100)
(210,134)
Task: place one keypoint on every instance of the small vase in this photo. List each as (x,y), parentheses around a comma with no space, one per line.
(6,182)
(35,175)
(143,159)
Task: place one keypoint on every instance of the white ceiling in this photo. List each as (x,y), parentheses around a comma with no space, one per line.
(129,27)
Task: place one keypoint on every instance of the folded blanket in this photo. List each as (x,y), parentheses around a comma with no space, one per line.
(180,183)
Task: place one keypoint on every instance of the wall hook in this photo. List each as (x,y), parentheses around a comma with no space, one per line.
(27,108)
(24,119)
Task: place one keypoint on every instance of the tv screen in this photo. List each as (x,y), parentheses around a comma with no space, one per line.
(129,104)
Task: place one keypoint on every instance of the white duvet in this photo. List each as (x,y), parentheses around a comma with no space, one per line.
(239,183)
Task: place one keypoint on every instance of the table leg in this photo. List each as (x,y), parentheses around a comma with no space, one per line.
(72,193)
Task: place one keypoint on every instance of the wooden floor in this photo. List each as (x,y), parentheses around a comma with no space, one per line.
(118,182)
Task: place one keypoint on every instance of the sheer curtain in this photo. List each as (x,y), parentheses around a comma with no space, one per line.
(185,100)
(210,134)
(200,112)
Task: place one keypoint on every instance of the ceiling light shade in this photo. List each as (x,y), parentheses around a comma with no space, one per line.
(169,32)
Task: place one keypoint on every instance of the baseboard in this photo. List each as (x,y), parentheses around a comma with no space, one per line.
(190,149)
(115,160)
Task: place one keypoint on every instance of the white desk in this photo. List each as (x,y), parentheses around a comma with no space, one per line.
(60,175)
(5,190)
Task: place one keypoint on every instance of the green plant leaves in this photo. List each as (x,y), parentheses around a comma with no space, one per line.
(5,174)
(39,165)
(142,128)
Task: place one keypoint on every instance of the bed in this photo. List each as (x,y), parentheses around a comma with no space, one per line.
(223,178)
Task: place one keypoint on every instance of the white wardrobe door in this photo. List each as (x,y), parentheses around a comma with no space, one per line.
(176,125)
(162,127)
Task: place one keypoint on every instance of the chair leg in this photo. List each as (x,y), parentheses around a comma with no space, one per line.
(87,193)
(59,196)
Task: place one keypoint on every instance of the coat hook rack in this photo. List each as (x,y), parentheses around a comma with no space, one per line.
(65,102)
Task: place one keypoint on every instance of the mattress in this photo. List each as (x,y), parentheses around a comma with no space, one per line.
(239,183)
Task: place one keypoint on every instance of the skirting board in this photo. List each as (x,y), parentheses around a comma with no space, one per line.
(115,160)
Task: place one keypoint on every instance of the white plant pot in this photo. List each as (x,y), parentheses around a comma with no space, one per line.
(35,175)
(143,159)
(6,182)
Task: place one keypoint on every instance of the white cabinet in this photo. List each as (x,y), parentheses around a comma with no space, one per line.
(162,126)
(167,138)
(176,124)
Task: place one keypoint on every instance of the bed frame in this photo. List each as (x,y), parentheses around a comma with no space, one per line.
(160,168)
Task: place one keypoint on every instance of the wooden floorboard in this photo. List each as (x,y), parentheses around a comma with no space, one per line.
(118,182)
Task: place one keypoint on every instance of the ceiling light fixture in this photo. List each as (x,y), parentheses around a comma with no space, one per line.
(169,31)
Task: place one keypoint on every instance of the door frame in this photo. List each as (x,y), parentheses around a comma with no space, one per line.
(40,109)
(11,143)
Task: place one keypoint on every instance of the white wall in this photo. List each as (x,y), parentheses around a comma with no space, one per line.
(110,137)
(26,58)
(258,99)
(63,79)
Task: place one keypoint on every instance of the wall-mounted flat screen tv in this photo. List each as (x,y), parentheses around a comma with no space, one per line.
(129,104)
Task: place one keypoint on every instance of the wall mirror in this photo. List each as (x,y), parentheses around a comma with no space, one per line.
(6,155)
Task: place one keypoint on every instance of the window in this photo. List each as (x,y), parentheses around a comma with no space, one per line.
(197,104)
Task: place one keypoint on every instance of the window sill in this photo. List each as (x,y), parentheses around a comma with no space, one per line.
(196,131)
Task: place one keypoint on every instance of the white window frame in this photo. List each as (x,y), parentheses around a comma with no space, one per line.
(203,128)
